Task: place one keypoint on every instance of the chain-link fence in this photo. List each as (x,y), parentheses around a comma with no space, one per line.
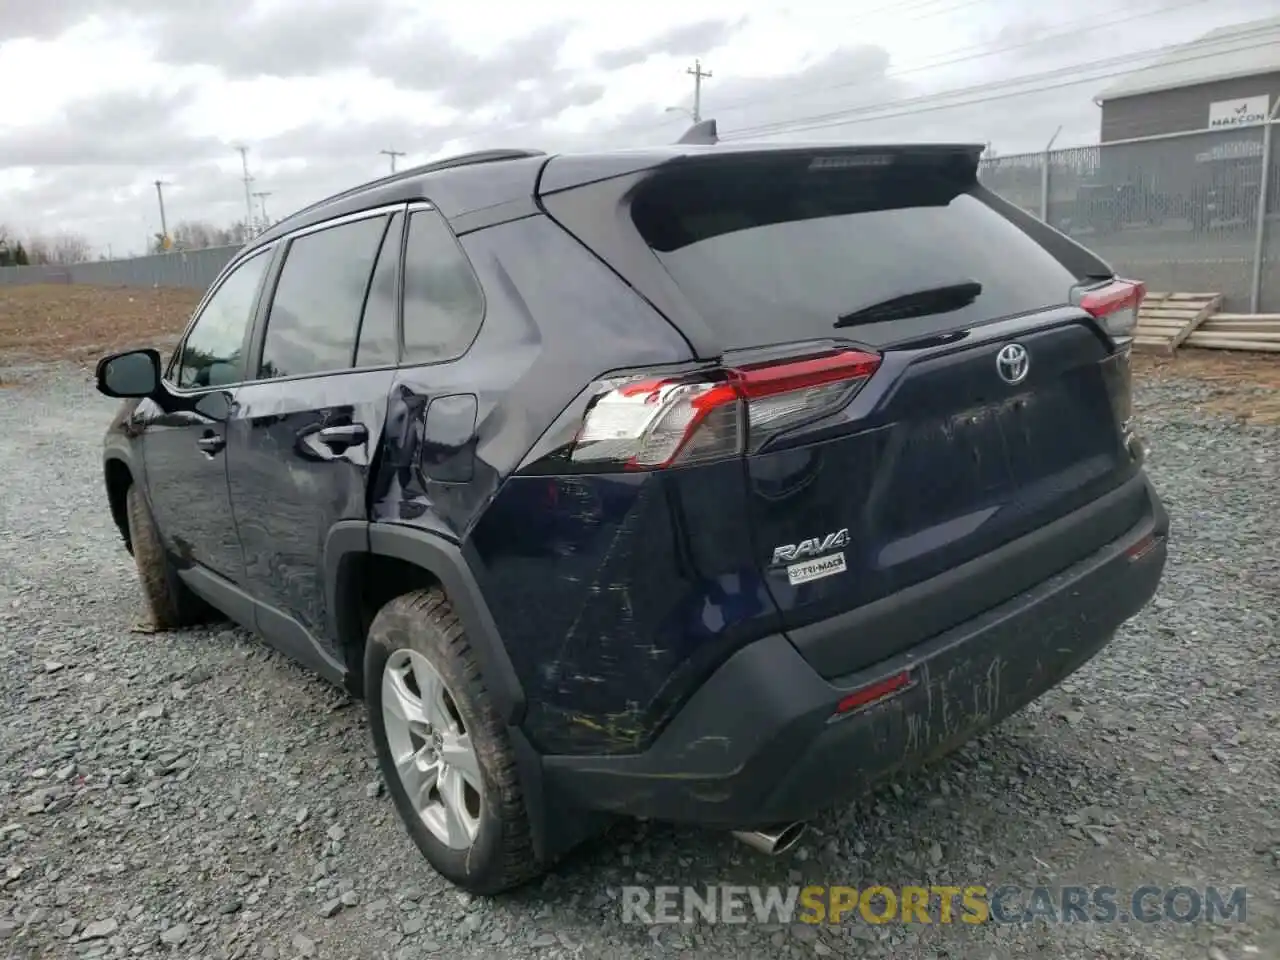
(183,268)
(1180,212)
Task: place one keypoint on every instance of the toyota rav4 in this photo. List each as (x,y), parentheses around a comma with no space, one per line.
(709,483)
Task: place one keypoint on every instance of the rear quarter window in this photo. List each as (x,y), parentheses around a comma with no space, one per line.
(443,301)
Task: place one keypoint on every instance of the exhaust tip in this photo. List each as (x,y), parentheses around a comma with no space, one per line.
(774,840)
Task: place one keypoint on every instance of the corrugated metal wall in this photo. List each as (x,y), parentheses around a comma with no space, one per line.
(191,268)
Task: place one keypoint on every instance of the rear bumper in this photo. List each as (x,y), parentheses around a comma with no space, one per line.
(757,743)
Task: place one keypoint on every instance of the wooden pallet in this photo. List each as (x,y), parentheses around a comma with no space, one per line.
(1167,319)
(1238,331)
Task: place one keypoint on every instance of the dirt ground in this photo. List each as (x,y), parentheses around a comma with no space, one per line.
(1242,385)
(78,323)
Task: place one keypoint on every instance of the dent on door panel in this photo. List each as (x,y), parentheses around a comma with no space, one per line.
(289,489)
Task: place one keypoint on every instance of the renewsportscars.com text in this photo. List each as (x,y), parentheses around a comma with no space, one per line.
(972,904)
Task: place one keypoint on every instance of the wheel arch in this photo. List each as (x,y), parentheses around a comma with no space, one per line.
(367,564)
(119,476)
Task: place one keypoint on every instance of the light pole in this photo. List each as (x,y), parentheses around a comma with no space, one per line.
(262,205)
(698,75)
(392,154)
(164,224)
(248,202)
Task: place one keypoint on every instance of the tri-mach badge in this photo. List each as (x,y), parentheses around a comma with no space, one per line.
(815,569)
(810,548)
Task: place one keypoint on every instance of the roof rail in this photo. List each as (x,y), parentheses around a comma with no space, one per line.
(461,160)
(702,132)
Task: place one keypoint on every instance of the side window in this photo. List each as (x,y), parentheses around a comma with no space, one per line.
(443,302)
(212,355)
(314,314)
(377,346)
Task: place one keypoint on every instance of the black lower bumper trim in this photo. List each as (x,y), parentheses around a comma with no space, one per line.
(758,743)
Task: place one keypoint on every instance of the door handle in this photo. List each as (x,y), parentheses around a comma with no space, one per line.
(345,435)
(211,443)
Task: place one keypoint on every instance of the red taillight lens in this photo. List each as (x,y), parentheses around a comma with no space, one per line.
(651,423)
(1116,305)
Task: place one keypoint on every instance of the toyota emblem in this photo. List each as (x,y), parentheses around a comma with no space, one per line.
(1013,363)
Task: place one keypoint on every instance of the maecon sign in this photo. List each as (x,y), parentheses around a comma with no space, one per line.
(1238,113)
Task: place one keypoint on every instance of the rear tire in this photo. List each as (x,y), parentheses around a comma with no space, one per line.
(429,710)
(170,603)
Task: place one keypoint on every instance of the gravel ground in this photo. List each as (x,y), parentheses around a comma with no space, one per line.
(198,795)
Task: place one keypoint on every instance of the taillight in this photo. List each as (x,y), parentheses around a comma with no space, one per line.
(1116,305)
(647,423)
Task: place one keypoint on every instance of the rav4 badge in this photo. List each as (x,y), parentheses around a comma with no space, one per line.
(811,548)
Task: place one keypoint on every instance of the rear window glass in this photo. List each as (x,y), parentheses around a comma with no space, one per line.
(877,254)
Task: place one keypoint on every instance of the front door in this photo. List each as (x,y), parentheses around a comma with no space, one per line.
(303,434)
(184,435)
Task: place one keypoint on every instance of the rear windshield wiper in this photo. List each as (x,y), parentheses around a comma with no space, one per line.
(920,303)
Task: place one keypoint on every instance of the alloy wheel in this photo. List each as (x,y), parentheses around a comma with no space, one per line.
(431,749)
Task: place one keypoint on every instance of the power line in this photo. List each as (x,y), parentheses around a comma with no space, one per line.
(999,90)
(972,52)
(1127,58)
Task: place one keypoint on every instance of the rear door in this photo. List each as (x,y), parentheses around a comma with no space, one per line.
(990,417)
(305,428)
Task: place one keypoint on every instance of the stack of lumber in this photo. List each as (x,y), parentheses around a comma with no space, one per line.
(1166,320)
(1238,331)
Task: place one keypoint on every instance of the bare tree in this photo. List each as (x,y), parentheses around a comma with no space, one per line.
(39,250)
(193,235)
(68,248)
(199,235)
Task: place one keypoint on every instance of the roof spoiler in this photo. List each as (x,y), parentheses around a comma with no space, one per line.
(703,132)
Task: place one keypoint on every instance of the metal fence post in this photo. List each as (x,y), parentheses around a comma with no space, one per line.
(1255,292)
(1044,175)
(1044,186)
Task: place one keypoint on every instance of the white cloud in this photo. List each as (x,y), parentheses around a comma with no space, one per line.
(118,93)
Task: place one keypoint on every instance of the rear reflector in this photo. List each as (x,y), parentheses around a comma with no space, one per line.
(1116,305)
(872,693)
(649,423)
(1141,548)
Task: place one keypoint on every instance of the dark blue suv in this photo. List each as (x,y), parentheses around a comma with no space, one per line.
(706,483)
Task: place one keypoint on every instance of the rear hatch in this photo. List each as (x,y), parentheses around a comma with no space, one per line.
(977,443)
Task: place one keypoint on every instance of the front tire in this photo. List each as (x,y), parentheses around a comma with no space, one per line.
(170,603)
(442,748)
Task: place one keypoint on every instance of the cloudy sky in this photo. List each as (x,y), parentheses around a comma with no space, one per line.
(102,97)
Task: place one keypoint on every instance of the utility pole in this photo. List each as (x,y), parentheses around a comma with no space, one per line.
(248,201)
(164,224)
(262,202)
(392,154)
(698,75)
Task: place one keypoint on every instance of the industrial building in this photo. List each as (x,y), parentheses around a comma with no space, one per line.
(1227,78)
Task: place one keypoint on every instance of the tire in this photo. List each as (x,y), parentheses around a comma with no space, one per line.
(417,627)
(170,603)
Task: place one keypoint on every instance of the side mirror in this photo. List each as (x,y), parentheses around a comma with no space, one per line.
(128,375)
